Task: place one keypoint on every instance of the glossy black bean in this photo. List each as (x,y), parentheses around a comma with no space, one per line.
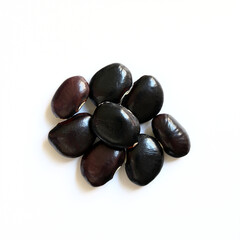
(145,99)
(69,97)
(100,163)
(110,83)
(73,136)
(144,161)
(115,125)
(171,135)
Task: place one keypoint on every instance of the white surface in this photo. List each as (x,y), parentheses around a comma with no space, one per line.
(191,47)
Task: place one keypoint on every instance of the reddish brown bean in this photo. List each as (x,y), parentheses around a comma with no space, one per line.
(69,97)
(100,163)
(171,135)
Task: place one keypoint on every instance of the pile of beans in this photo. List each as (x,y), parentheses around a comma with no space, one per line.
(120,109)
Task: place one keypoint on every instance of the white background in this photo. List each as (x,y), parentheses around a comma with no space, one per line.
(191,47)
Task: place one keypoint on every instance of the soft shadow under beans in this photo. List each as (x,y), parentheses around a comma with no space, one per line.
(169,159)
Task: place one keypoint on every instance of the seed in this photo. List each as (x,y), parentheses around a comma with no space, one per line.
(145,99)
(115,125)
(73,136)
(110,83)
(100,163)
(144,161)
(171,135)
(71,94)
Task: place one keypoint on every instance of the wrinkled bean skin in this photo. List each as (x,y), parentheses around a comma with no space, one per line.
(68,98)
(145,99)
(110,83)
(144,161)
(115,125)
(100,163)
(171,135)
(73,136)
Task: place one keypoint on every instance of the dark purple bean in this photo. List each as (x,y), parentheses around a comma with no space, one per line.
(73,136)
(171,135)
(100,163)
(69,97)
(110,83)
(115,125)
(144,161)
(145,99)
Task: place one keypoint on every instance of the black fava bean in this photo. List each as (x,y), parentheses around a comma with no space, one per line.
(115,125)
(145,99)
(110,83)
(144,161)
(73,137)
(100,163)
(171,135)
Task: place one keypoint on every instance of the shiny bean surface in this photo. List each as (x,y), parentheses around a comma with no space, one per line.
(73,136)
(171,135)
(145,99)
(144,161)
(115,125)
(100,163)
(68,98)
(110,83)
